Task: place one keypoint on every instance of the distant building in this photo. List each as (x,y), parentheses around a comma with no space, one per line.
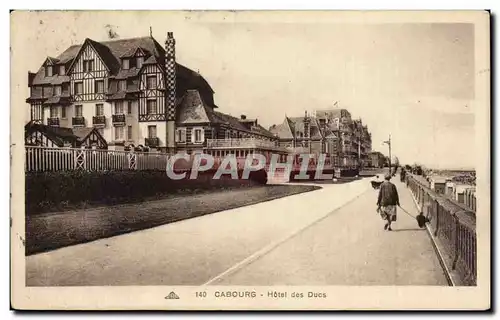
(377,159)
(333,132)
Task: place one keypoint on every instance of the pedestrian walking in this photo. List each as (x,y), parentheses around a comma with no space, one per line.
(388,200)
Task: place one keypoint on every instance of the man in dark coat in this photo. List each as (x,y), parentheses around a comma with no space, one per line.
(388,199)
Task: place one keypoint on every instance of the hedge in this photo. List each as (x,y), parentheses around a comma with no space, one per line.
(53,191)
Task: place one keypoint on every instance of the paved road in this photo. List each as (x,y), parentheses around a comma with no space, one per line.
(300,239)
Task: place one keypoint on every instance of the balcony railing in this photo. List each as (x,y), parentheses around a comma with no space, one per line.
(78,121)
(152,142)
(53,121)
(240,143)
(118,118)
(99,120)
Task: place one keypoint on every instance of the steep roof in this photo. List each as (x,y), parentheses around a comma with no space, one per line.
(61,135)
(298,124)
(192,109)
(111,52)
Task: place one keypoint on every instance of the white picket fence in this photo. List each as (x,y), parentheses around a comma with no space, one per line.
(65,159)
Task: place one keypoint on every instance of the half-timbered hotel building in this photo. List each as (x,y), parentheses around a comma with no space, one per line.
(135,94)
(333,132)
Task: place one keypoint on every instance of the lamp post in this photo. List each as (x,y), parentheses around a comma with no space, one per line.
(388,142)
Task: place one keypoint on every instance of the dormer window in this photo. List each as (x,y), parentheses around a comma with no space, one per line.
(122,85)
(125,64)
(48,71)
(140,61)
(62,70)
(88,65)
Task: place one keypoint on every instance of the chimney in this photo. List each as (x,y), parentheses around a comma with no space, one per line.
(243,117)
(31,77)
(170,86)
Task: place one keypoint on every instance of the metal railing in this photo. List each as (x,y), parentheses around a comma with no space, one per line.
(454,227)
(78,121)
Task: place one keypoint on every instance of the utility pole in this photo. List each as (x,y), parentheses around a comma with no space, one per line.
(388,142)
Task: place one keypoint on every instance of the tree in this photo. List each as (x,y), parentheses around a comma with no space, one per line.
(396,162)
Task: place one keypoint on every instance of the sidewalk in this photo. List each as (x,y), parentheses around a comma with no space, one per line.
(350,247)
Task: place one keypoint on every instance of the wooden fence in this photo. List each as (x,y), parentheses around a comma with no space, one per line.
(66,159)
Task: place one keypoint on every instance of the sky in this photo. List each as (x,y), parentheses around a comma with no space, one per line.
(413,81)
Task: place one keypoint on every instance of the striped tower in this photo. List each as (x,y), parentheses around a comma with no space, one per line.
(170,77)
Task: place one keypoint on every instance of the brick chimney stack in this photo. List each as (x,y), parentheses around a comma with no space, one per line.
(170,86)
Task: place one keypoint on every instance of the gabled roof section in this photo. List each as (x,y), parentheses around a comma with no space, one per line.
(61,135)
(101,51)
(192,109)
(51,61)
(110,53)
(298,126)
(282,130)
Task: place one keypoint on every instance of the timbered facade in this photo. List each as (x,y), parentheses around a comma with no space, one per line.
(41,135)
(333,132)
(134,93)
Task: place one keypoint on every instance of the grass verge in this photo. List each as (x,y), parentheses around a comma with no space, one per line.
(51,231)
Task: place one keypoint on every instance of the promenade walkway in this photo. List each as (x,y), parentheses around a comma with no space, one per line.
(331,236)
(350,247)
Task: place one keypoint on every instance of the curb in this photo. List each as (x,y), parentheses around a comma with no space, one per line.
(442,261)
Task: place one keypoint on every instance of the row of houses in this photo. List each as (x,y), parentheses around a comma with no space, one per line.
(463,192)
(332,132)
(132,94)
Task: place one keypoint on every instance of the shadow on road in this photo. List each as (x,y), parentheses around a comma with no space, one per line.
(408,229)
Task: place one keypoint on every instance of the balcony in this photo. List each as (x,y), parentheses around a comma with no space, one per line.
(99,121)
(119,119)
(78,121)
(240,143)
(152,142)
(53,121)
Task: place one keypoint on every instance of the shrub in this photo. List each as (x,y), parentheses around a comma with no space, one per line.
(52,191)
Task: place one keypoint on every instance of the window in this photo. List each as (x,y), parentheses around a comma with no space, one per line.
(88,65)
(63,112)
(151,131)
(228,134)
(62,70)
(119,107)
(48,71)
(125,64)
(119,133)
(122,85)
(151,106)
(99,109)
(140,61)
(198,135)
(78,87)
(129,132)
(58,90)
(53,112)
(180,135)
(78,110)
(151,82)
(129,107)
(47,91)
(99,86)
